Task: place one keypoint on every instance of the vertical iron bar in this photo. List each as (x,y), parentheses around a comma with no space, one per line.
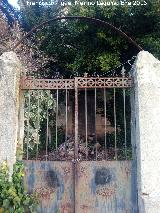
(47,134)
(76,118)
(76,143)
(95,101)
(28,125)
(20,138)
(124,113)
(86,122)
(125,129)
(66,119)
(38,126)
(105,123)
(115,125)
(57,120)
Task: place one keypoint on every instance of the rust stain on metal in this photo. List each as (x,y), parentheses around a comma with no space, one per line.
(99,186)
(107,192)
(66,171)
(114,82)
(82,172)
(66,208)
(76,122)
(44,193)
(98,82)
(48,180)
(85,208)
(104,187)
(33,83)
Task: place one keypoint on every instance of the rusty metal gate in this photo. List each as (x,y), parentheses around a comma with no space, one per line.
(93,171)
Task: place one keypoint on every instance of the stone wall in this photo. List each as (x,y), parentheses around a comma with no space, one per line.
(146,72)
(9,106)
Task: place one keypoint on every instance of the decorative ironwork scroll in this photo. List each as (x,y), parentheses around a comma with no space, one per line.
(104,82)
(82,82)
(33,83)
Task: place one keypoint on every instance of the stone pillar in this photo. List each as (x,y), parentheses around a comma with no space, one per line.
(10,68)
(146,72)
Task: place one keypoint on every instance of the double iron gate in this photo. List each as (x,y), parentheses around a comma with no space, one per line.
(86,165)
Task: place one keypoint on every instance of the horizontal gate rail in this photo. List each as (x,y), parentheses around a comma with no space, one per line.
(82,82)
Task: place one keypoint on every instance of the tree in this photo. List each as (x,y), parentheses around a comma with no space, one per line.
(81,47)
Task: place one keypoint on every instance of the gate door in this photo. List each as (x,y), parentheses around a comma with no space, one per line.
(77,145)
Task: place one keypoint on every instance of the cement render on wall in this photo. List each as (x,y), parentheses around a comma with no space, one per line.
(10,67)
(147,119)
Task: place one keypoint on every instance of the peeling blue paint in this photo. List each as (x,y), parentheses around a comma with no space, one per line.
(101,187)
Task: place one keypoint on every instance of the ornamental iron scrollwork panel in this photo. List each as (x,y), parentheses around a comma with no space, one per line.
(116,82)
(119,82)
(32,83)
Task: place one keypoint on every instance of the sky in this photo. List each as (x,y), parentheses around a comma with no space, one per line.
(14,3)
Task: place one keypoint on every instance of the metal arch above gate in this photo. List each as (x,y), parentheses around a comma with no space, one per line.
(83,18)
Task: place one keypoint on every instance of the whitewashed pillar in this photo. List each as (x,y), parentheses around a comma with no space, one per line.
(146,72)
(10,68)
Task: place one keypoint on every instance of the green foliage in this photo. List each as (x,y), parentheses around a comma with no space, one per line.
(36,117)
(36,122)
(107,61)
(13,197)
(78,46)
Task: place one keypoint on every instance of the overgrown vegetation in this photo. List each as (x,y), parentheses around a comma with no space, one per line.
(11,31)
(78,46)
(13,197)
(40,107)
